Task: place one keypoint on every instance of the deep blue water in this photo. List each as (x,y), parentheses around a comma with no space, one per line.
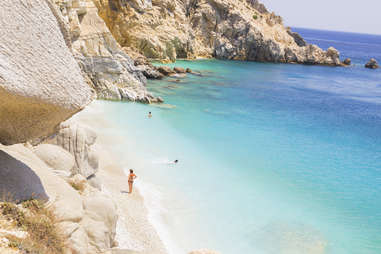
(274,158)
(359,47)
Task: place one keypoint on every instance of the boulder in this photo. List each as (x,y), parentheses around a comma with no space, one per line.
(18,182)
(78,140)
(150,72)
(40,82)
(333,55)
(67,201)
(165,70)
(372,64)
(55,157)
(100,221)
(179,70)
(79,242)
(347,61)
(68,228)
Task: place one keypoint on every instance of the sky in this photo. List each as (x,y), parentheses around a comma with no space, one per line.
(339,15)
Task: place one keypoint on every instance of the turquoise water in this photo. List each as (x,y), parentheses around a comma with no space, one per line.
(273,158)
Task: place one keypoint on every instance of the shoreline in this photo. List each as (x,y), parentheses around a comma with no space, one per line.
(139,228)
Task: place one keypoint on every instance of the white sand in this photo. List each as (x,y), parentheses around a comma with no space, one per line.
(134,230)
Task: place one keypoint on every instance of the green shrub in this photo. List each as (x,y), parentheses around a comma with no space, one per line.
(255,17)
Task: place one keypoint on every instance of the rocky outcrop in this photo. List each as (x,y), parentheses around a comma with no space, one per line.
(347,61)
(56,157)
(104,64)
(100,222)
(40,82)
(372,64)
(297,38)
(234,29)
(18,182)
(79,141)
(87,219)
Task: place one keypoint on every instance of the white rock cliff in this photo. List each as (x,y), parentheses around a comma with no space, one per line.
(104,64)
(40,82)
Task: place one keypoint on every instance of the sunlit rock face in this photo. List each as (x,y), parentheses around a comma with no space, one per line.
(106,67)
(234,29)
(40,82)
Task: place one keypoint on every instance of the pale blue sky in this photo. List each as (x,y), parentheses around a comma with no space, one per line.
(341,15)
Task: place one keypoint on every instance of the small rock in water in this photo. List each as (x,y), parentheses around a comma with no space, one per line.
(347,61)
(179,70)
(372,64)
(165,70)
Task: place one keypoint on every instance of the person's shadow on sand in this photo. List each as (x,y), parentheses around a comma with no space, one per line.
(124,192)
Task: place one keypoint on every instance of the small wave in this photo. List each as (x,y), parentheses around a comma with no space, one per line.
(156,213)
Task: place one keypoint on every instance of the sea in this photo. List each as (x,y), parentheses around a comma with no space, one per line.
(272,158)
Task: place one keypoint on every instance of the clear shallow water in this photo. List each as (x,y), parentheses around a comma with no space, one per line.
(273,158)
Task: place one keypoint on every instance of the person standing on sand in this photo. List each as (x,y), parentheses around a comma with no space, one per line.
(131,178)
(149,115)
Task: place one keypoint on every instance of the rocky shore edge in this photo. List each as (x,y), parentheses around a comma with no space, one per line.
(57,56)
(118,70)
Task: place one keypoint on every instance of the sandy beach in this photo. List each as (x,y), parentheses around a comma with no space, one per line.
(135,231)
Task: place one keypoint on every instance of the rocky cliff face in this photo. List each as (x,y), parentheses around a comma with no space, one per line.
(104,64)
(234,29)
(40,82)
(86,217)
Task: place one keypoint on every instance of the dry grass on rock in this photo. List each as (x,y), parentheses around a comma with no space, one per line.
(40,224)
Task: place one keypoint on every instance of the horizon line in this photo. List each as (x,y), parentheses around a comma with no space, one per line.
(329,30)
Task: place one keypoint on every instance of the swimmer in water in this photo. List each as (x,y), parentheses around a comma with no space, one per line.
(149,115)
(176,161)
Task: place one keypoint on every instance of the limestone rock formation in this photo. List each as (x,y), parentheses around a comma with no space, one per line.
(87,222)
(56,157)
(18,182)
(100,222)
(105,65)
(79,141)
(234,29)
(40,82)
(372,64)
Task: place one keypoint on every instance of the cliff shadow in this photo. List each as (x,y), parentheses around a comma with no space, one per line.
(18,182)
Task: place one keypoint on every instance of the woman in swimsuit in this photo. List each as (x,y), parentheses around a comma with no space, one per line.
(131,178)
